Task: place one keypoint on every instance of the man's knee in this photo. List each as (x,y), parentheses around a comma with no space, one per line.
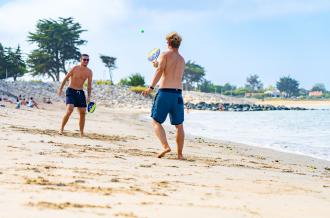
(155,123)
(179,127)
(69,110)
(82,113)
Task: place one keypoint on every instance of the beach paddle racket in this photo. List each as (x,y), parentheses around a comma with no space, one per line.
(153,54)
(91,107)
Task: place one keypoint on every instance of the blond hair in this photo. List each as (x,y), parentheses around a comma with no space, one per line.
(174,39)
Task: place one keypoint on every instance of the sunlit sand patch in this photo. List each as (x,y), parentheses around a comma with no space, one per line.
(125,215)
(77,186)
(65,205)
(94,136)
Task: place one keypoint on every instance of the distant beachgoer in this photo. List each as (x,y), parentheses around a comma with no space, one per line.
(18,103)
(32,103)
(47,100)
(75,95)
(168,99)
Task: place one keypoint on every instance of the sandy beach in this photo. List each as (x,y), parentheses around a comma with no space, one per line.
(114,172)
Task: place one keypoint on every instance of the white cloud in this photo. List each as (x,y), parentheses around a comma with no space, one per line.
(246,10)
(113,25)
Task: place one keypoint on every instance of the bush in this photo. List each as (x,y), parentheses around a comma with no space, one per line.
(133,80)
(124,82)
(103,82)
(137,89)
(136,80)
(140,89)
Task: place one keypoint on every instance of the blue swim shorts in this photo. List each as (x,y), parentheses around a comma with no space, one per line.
(75,97)
(168,101)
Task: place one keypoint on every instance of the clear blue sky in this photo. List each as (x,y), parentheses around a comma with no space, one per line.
(231,39)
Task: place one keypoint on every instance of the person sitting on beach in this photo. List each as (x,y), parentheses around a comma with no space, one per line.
(75,95)
(32,103)
(168,99)
(18,103)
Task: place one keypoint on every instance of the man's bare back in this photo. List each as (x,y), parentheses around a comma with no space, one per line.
(173,69)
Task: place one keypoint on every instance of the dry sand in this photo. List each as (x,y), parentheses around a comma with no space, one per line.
(114,172)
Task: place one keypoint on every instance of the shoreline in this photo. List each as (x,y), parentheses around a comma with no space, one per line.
(114,171)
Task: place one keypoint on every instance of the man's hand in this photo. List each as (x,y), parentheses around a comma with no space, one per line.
(88,99)
(146,92)
(59,92)
(155,63)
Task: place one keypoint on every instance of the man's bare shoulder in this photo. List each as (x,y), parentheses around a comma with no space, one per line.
(165,53)
(75,68)
(89,70)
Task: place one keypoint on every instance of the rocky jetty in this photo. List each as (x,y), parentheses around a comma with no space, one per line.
(237,107)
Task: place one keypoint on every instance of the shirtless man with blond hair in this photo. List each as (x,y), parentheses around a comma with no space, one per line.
(75,95)
(168,99)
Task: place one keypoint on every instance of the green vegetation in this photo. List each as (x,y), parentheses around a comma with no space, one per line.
(57,45)
(110,63)
(135,79)
(288,85)
(103,82)
(12,64)
(193,75)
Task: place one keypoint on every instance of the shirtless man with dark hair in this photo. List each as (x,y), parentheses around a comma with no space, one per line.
(75,95)
(168,99)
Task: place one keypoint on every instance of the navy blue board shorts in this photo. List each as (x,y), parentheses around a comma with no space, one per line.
(168,101)
(75,97)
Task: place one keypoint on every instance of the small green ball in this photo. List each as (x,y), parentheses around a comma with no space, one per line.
(142,30)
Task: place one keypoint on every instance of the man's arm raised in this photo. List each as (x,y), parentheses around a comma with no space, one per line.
(158,74)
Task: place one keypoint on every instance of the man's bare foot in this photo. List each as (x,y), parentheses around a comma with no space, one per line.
(82,135)
(164,152)
(60,132)
(180,157)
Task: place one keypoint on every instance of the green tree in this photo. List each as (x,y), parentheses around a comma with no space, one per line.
(319,87)
(240,91)
(207,86)
(288,85)
(41,64)
(16,66)
(3,62)
(228,89)
(57,42)
(253,83)
(193,73)
(110,63)
(11,63)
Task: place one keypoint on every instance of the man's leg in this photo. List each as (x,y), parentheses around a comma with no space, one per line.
(69,109)
(160,133)
(179,140)
(82,114)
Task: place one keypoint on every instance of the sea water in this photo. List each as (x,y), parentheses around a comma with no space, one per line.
(301,132)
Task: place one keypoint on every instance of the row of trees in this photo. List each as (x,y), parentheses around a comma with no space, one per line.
(11,62)
(57,43)
(194,79)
